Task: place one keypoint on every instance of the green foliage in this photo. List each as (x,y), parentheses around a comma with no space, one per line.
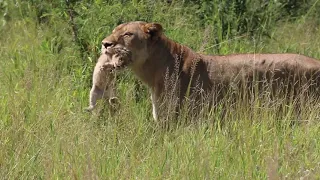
(45,80)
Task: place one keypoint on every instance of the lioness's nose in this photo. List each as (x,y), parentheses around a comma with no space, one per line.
(106,43)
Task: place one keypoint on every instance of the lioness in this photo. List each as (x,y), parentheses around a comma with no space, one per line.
(154,57)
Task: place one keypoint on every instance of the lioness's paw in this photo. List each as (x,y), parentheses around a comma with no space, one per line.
(89,109)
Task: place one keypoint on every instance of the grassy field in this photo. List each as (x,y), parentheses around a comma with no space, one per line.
(45,79)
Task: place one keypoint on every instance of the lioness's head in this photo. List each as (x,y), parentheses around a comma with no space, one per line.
(130,41)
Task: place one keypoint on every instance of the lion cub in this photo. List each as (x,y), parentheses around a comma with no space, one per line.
(103,81)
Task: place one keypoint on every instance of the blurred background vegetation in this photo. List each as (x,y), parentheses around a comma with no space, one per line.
(211,26)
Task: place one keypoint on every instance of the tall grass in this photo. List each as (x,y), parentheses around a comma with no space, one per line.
(45,81)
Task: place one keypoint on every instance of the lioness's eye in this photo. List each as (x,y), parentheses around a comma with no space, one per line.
(127,34)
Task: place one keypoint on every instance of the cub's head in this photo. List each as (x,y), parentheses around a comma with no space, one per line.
(131,41)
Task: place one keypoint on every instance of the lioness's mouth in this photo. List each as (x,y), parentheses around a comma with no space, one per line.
(121,57)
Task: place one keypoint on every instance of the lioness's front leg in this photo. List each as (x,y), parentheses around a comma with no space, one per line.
(154,106)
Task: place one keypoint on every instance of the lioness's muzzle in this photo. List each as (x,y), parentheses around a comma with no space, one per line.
(121,57)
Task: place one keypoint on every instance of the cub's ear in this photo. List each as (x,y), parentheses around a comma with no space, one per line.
(153,29)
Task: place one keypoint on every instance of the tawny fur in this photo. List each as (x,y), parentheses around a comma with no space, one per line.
(103,77)
(154,57)
(102,82)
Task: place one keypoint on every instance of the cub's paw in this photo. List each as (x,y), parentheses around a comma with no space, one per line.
(107,67)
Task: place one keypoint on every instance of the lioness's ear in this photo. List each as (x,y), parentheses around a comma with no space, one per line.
(153,29)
